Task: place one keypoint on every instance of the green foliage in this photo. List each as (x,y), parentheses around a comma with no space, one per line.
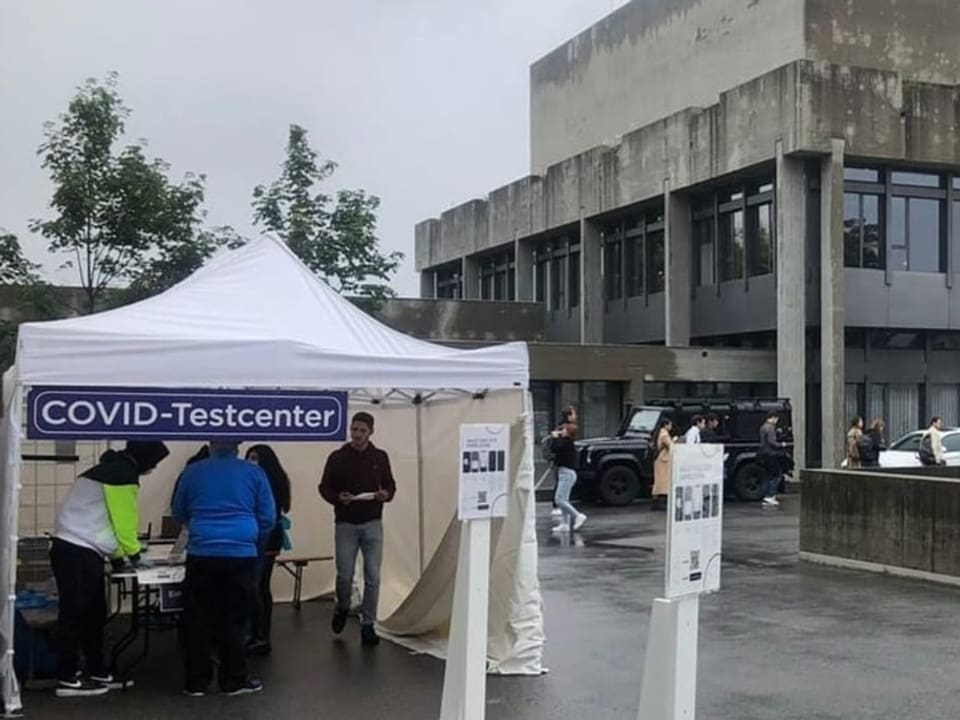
(335,237)
(116,215)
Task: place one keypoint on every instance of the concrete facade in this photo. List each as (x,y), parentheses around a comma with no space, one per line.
(723,215)
(653,58)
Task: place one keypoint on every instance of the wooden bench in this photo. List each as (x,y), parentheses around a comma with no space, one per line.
(296,572)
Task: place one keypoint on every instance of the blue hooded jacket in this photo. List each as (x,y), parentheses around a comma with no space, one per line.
(227,506)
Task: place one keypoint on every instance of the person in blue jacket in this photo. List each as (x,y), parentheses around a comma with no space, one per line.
(228,508)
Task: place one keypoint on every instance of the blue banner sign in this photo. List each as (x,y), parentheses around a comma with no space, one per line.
(163,414)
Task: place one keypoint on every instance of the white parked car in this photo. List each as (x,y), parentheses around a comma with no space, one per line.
(905,452)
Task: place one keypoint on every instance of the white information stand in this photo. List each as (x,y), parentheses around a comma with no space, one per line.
(484,457)
(694,538)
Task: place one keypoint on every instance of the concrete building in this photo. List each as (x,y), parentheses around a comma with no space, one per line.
(768,174)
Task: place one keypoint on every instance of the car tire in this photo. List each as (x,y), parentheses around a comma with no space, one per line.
(750,482)
(619,485)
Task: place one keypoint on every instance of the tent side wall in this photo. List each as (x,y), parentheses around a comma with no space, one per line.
(9,506)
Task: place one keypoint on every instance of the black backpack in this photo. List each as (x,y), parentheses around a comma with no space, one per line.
(927,456)
(867,449)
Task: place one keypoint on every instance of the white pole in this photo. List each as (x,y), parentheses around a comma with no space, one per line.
(465,675)
(669,687)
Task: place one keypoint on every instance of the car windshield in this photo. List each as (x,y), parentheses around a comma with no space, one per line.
(643,421)
(908,443)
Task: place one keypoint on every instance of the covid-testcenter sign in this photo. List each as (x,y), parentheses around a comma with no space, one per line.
(164,414)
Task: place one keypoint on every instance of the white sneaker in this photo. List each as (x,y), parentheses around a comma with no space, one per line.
(561,528)
(556,512)
(579,521)
(771,501)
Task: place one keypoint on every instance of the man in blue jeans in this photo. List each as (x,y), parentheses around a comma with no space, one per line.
(357,481)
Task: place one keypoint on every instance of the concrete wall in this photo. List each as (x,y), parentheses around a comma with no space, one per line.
(917,38)
(888,521)
(650,59)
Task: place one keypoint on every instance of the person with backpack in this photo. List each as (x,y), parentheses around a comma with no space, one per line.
(931,444)
(872,444)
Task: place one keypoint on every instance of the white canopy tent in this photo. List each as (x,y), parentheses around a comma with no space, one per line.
(256,318)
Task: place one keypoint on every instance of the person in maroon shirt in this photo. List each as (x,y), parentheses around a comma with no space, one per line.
(357,481)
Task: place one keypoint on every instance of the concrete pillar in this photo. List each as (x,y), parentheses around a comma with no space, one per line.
(591,284)
(523,259)
(471,279)
(791,295)
(428,285)
(679,253)
(832,366)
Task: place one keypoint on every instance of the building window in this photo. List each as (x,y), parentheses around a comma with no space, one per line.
(656,261)
(704,251)
(634,265)
(915,237)
(449,282)
(862,231)
(558,283)
(734,233)
(916,179)
(634,256)
(731,246)
(760,240)
(612,266)
(495,276)
(896,219)
(573,267)
(541,260)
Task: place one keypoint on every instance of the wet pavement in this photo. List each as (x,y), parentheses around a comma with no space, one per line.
(783,640)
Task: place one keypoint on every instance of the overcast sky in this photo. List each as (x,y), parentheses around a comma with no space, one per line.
(422,102)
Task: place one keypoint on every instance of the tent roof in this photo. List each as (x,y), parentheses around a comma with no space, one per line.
(253,317)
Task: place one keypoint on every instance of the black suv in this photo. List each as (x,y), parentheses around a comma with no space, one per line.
(618,470)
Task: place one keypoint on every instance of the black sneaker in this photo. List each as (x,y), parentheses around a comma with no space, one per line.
(111,683)
(187,692)
(368,636)
(339,621)
(80,687)
(247,687)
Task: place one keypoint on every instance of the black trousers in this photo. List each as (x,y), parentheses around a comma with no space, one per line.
(218,603)
(263,607)
(83,608)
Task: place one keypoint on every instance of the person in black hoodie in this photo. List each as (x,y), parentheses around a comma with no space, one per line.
(97,519)
(266,458)
(565,454)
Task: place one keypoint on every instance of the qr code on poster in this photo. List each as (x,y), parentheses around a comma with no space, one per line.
(482,497)
(694,559)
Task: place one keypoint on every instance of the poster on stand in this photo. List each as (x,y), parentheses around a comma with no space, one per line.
(695,520)
(484,455)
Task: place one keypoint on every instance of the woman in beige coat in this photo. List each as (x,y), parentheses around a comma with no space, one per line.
(854,434)
(661,464)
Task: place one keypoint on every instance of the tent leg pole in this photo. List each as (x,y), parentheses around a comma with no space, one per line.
(421,530)
(11,702)
(465,676)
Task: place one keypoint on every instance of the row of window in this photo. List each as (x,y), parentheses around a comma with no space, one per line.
(634,256)
(896,220)
(556,274)
(734,234)
(893,220)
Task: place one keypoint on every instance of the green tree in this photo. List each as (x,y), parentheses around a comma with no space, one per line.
(335,237)
(26,298)
(116,215)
